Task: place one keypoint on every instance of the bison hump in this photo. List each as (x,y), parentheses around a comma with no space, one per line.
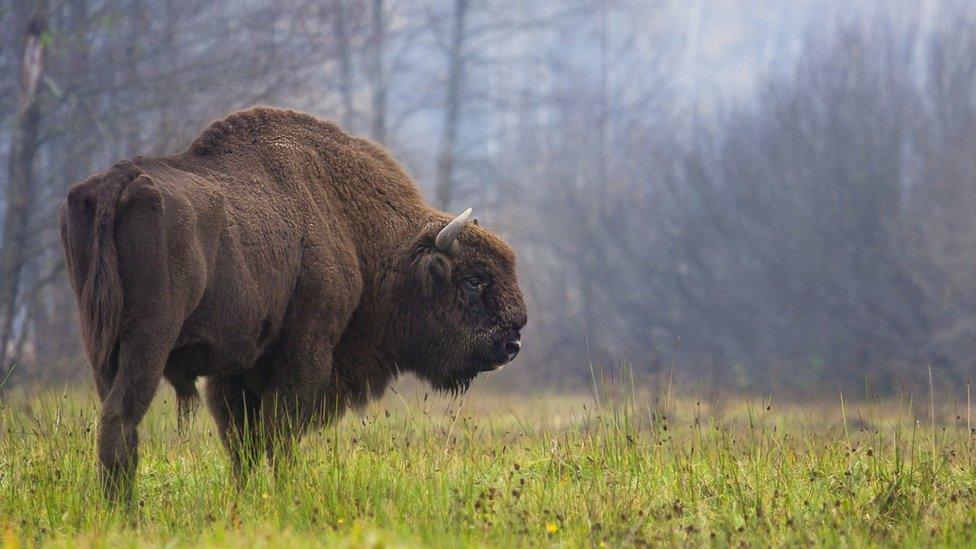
(260,125)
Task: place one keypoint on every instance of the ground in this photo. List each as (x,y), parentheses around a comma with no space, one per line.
(494,469)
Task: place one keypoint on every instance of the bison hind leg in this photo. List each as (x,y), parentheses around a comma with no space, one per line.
(126,402)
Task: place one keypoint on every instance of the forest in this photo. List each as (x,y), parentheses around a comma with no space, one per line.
(800,223)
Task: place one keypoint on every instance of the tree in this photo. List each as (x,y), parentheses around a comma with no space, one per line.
(378,77)
(21,191)
(452,105)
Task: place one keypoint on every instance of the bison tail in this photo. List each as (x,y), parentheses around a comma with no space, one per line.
(87,232)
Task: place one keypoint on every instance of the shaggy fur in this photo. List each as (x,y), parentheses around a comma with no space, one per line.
(292,265)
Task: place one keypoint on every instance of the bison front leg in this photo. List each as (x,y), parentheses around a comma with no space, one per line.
(292,401)
(235,409)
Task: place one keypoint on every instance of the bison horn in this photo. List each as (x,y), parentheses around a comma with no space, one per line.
(446,240)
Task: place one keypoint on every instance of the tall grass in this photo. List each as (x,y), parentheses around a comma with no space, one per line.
(616,467)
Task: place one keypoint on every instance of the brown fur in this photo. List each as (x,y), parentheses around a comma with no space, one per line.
(291,264)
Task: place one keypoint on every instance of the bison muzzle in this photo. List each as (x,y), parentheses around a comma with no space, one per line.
(294,266)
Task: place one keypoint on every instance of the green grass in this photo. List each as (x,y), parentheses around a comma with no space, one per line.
(506,471)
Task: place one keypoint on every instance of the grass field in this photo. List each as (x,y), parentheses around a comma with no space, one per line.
(501,470)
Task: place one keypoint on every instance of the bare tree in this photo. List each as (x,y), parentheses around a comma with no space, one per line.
(21,191)
(378,76)
(452,105)
(343,40)
(814,234)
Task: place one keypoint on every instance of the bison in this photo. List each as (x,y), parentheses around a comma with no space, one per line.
(295,267)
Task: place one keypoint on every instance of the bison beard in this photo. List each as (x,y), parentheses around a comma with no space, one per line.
(295,267)
(456,383)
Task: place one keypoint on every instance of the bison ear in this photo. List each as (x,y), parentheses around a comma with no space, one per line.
(433,269)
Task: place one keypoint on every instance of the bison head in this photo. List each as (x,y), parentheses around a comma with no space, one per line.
(459,310)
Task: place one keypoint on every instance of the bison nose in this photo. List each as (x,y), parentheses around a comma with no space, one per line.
(511,344)
(512,348)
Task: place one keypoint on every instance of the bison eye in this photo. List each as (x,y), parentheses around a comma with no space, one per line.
(475,282)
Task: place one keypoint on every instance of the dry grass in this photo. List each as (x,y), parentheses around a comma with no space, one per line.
(501,470)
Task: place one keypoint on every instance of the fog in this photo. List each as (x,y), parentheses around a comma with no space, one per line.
(737,195)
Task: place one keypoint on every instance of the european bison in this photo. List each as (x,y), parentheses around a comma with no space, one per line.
(294,266)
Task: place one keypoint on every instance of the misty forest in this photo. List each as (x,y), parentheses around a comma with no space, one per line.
(753,196)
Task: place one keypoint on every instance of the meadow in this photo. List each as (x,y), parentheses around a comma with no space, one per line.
(491,468)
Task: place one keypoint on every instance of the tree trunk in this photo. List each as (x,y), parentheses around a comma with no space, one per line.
(20,192)
(342,38)
(137,20)
(452,108)
(378,130)
(167,135)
